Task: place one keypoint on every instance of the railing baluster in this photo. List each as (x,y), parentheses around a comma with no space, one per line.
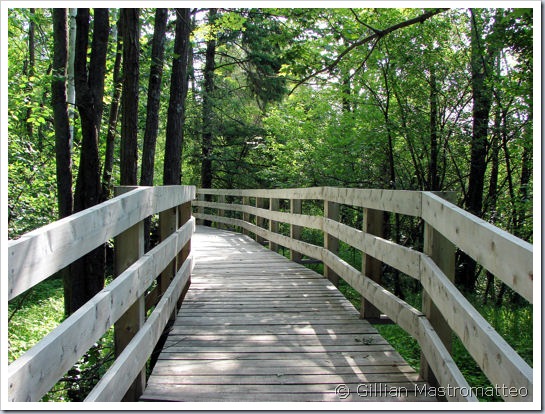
(331,211)
(168,223)
(184,214)
(295,231)
(245,216)
(373,223)
(129,247)
(274,205)
(259,203)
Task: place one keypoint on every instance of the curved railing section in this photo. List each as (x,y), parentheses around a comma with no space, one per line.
(444,308)
(124,302)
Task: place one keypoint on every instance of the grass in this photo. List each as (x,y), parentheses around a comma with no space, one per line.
(35,314)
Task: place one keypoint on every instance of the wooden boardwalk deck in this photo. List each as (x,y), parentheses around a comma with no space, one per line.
(255,326)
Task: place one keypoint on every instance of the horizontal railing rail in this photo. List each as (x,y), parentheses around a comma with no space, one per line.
(42,252)
(444,308)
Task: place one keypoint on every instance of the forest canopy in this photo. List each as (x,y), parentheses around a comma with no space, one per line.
(398,98)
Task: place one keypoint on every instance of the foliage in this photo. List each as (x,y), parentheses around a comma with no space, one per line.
(300,99)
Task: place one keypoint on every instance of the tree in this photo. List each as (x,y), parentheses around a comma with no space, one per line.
(114,111)
(129,98)
(207,111)
(154,97)
(87,273)
(63,139)
(176,108)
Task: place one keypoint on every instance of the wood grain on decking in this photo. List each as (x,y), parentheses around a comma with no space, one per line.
(255,326)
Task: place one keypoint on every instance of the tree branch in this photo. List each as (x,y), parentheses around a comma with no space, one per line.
(378,34)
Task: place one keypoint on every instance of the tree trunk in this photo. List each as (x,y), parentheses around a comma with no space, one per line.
(129,98)
(63,139)
(71,88)
(207,111)
(433,174)
(482,101)
(30,68)
(112,119)
(152,114)
(154,97)
(172,173)
(88,272)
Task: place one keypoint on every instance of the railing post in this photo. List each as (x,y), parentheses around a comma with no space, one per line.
(443,252)
(274,205)
(129,247)
(168,223)
(259,203)
(184,215)
(200,209)
(331,211)
(221,212)
(245,216)
(295,231)
(373,223)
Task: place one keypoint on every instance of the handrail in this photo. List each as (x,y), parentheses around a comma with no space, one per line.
(54,246)
(487,244)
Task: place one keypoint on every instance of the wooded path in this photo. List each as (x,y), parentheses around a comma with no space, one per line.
(255,326)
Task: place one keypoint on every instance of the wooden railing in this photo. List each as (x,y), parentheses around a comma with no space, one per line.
(444,309)
(124,302)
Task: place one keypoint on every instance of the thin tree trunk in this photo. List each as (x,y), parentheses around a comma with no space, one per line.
(172,173)
(113,117)
(153,104)
(207,111)
(433,174)
(30,71)
(63,145)
(129,98)
(154,97)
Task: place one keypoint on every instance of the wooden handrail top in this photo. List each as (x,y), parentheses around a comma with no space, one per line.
(44,251)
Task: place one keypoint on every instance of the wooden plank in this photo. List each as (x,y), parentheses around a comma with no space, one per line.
(444,368)
(263,333)
(501,364)
(295,230)
(36,371)
(402,258)
(113,385)
(373,224)
(274,206)
(129,247)
(44,251)
(442,252)
(331,243)
(367,392)
(506,256)
(395,201)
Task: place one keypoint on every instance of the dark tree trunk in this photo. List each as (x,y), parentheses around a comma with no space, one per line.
(112,119)
(172,173)
(88,272)
(152,114)
(207,111)
(482,102)
(129,98)
(154,97)
(433,174)
(63,140)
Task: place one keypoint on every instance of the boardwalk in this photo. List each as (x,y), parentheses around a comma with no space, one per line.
(255,326)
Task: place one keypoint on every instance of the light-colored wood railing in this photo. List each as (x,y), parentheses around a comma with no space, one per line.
(42,252)
(444,308)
